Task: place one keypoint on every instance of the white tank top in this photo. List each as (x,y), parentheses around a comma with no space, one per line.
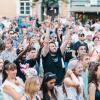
(18,89)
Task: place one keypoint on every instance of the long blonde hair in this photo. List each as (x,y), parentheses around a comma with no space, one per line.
(30,86)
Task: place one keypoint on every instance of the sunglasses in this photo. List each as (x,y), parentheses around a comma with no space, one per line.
(81,35)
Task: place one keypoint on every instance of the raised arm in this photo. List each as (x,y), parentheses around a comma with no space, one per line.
(22,53)
(45,48)
(64,44)
(72,81)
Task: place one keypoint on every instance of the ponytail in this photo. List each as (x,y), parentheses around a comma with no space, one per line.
(4,73)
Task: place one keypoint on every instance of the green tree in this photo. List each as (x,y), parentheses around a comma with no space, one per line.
(34,2)
(52,3)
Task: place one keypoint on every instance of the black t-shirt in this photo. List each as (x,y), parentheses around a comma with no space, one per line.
(68,56)
(31,62)
(54,64)
(19,72)
(68,53)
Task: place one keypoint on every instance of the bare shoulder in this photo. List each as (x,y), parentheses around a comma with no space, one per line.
(7,87)
(67,79)
(92,86)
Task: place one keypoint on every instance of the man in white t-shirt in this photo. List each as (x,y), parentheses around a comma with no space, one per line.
(96,25)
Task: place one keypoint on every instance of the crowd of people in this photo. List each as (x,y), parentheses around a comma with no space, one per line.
(49,60)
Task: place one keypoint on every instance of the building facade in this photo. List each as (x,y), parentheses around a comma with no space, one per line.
(12,8)
(7,8)
(87,8)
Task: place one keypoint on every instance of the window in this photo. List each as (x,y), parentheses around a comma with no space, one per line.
(25,8)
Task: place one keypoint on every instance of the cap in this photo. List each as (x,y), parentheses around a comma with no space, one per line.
(49,76)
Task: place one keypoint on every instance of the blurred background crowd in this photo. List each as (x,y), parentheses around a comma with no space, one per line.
(56,59)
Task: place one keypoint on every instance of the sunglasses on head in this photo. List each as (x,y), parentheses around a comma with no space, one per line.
(50,76)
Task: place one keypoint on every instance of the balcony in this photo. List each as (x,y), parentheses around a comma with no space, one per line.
(85,5)
(85,2)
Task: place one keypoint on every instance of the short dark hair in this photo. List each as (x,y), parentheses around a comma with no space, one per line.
(80,46)
(52,42)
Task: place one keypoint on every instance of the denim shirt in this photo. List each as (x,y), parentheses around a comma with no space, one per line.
(5,55)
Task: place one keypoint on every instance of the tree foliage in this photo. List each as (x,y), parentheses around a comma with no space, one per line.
(34,2)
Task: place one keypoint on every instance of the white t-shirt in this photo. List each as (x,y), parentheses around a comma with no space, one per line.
(19,89)
(96,26)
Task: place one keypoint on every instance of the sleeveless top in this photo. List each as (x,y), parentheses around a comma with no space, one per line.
(72,93)
(97,95)
(97,92)
(96,50)
(34,98)
(18,89)
(94,55)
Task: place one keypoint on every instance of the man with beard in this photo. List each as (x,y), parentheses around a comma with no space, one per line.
(53,58)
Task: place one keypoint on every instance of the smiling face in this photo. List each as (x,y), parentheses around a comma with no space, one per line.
(11,71)
(81,50)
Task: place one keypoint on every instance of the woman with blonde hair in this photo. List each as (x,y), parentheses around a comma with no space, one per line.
(73,82)
(32,87)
